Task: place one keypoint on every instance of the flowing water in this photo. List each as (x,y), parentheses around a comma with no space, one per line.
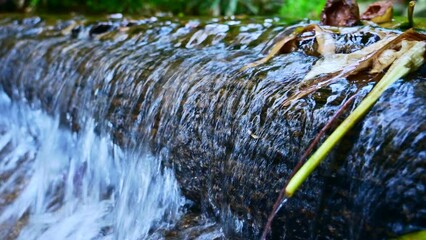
(63,185)
(147,129)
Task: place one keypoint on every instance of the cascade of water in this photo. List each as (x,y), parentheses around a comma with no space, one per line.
(174,87)
(62,185)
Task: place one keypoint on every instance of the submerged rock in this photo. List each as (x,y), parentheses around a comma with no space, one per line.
(101,28)
(341,13)
(226,133)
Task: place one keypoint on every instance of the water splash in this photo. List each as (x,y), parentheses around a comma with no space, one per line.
(62,185)
(283,201)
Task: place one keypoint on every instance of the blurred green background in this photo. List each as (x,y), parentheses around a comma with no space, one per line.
(294,8)
(284,8)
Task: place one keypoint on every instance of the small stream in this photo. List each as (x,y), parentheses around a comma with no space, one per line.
(62,185)
(148,129)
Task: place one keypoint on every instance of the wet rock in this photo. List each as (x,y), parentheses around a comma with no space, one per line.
(101,28)
(76,31)
(351,42)
(342,13)
(379,12)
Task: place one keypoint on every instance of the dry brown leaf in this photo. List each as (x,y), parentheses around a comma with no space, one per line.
(286,45)
(366,60)
(384,60)
(274,51)
(342,13)
(337,62)
(388,56)
(379,12)
(325,41)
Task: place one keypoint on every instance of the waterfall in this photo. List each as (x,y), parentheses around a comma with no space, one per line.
(57,184)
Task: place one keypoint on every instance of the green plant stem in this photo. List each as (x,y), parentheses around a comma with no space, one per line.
(409,61)
(281,196)
(410,12)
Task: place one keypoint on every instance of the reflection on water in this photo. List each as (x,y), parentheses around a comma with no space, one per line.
(61,185)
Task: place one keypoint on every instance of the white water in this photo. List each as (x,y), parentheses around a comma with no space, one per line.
(55,184)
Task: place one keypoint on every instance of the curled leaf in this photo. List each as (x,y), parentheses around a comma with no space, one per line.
(342,13)
(325,41)
(379,12)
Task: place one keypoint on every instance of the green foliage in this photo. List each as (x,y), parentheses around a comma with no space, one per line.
(296,9)
(217,7)
(130,6)
(286,8)
(114,5)
(413,236)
